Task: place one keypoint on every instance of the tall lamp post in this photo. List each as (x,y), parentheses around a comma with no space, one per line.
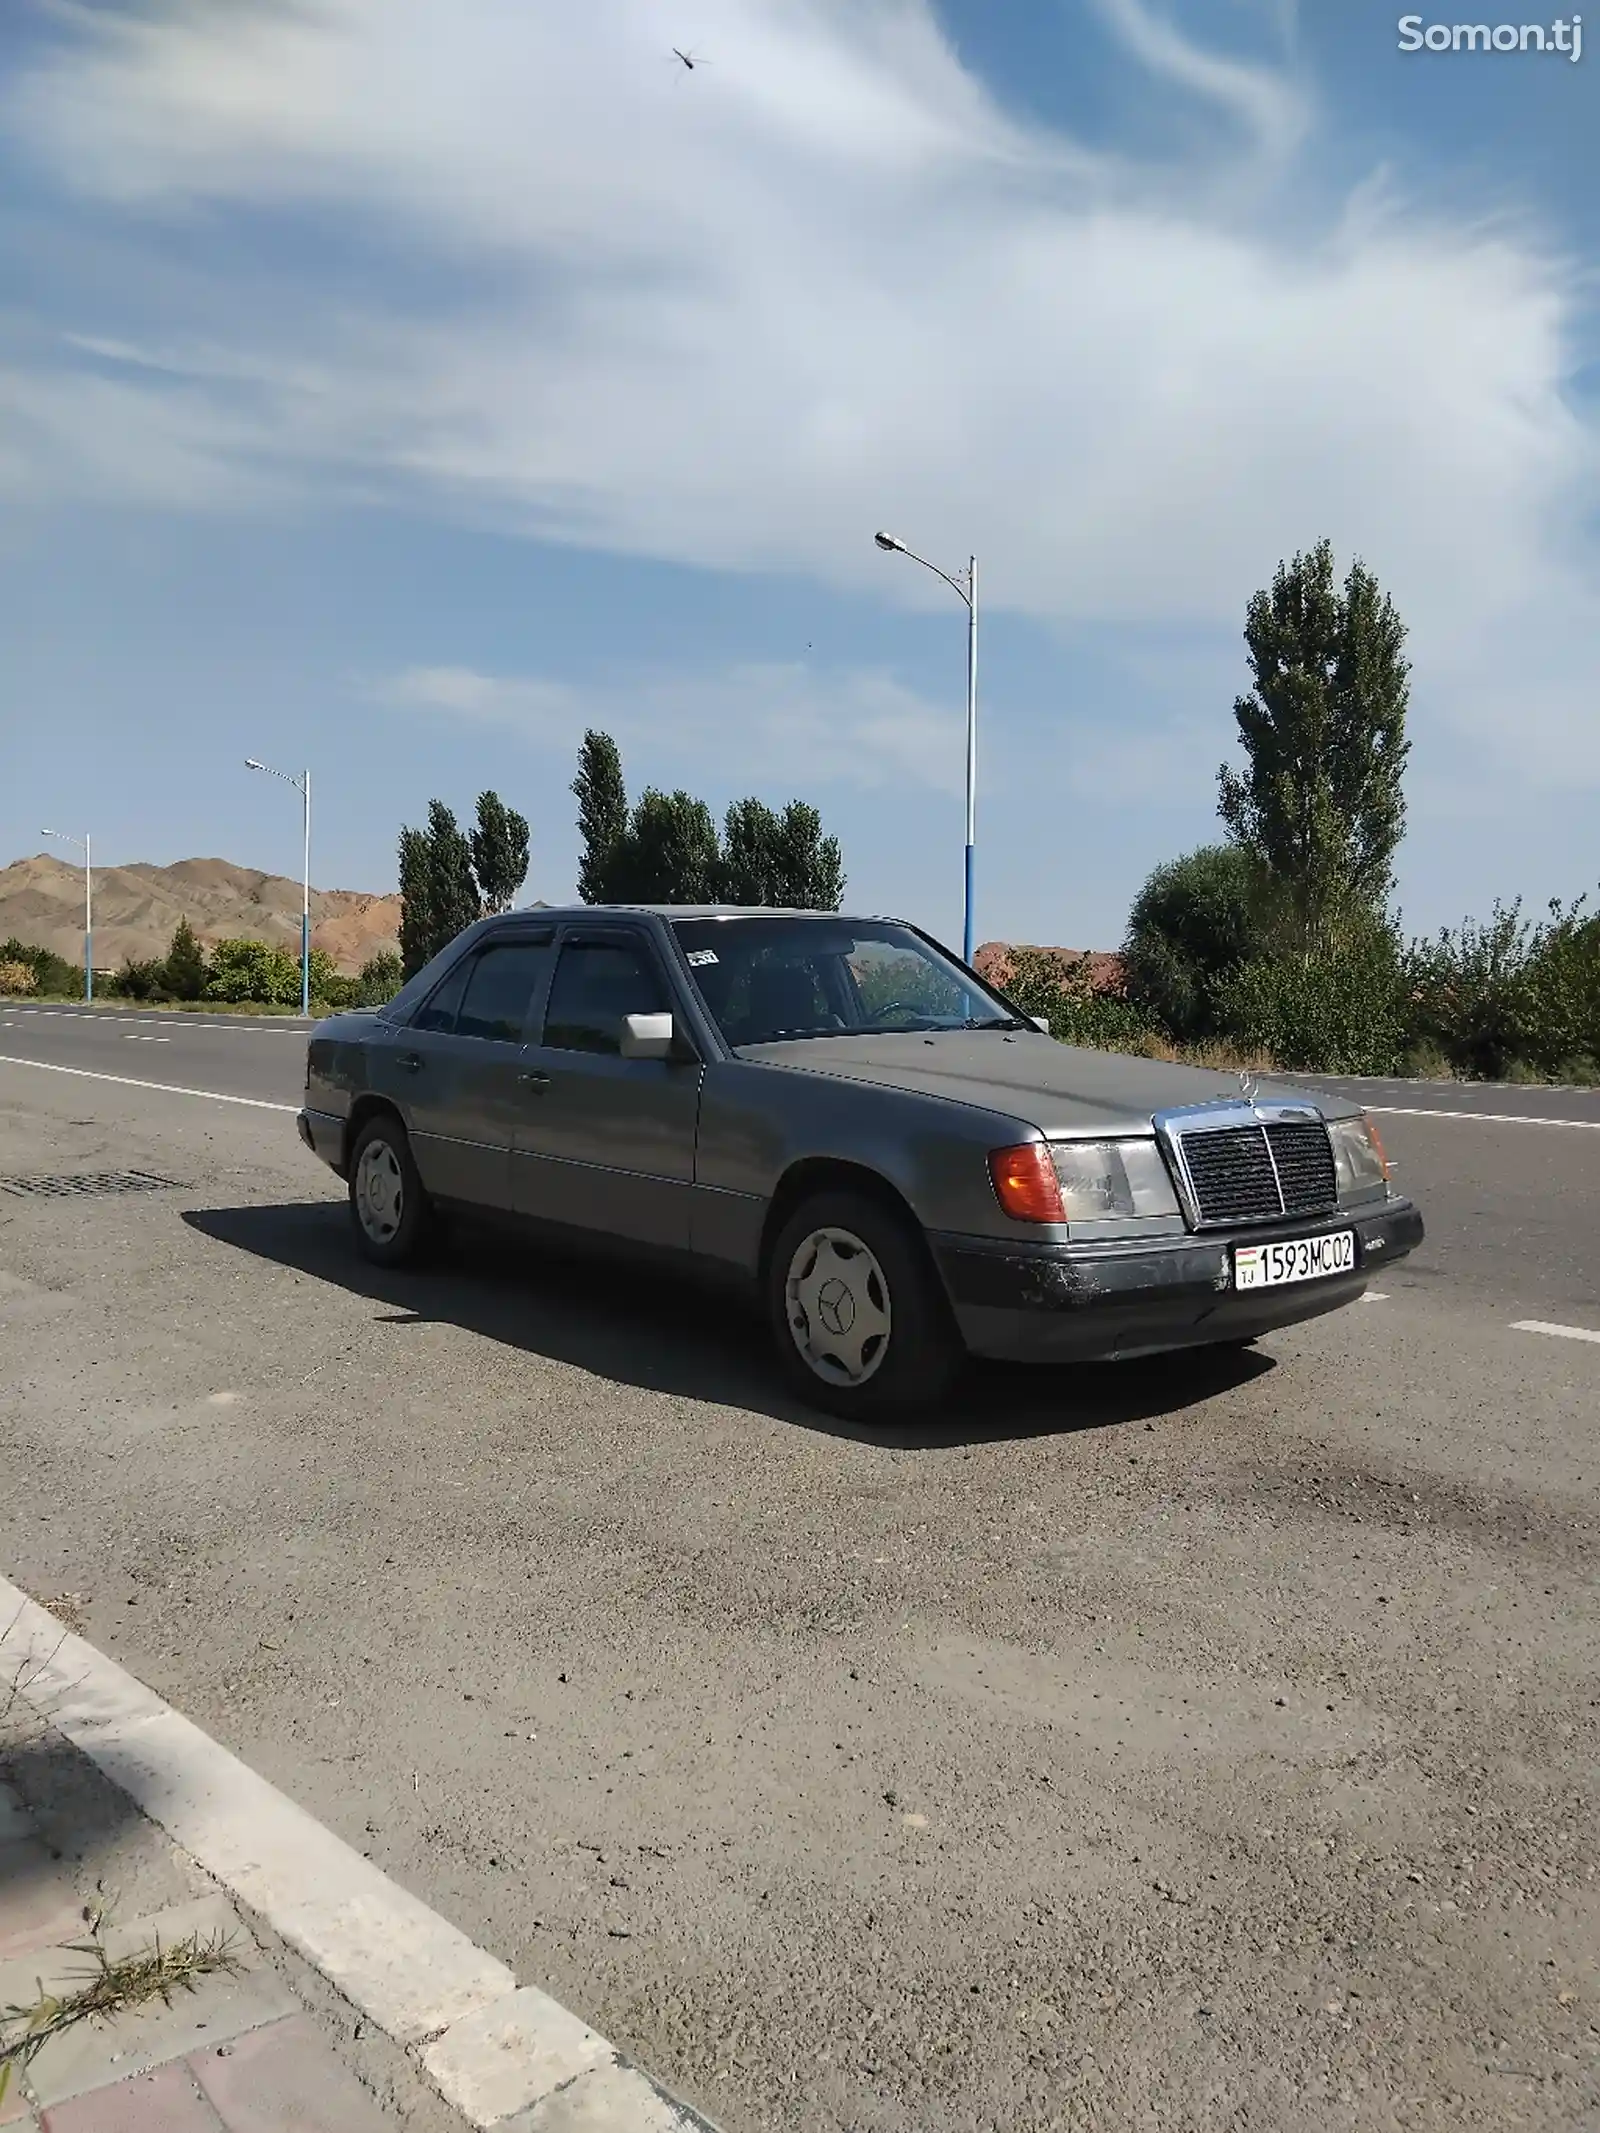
(65,837)
(966,591)
(302,785)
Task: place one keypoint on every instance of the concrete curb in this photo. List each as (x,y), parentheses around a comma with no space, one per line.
(505,2057)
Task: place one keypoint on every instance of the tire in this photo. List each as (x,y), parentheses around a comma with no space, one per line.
(891,1344)
(389,1210)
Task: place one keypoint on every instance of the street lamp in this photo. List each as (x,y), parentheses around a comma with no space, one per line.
(65,837)
(967,593)
(302,785)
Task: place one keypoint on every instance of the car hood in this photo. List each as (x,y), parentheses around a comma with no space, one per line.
(1058,1088)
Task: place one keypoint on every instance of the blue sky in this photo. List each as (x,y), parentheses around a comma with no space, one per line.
(399,387)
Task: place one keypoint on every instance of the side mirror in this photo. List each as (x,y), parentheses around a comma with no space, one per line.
(1041,1022)
(647,1037)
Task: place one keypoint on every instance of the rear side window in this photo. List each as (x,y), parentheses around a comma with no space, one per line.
(500,991)
(595,985)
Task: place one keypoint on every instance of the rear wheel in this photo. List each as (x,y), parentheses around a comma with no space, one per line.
(392,1217)
(861,1326)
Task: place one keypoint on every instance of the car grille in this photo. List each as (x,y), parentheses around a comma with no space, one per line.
(1253,1173)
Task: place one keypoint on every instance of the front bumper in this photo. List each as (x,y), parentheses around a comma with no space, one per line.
(323,1134)
(1024,1302)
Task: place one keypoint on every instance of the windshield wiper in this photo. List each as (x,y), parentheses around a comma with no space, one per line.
(996,1022)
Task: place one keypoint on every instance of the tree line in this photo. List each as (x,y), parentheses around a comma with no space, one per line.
(1281,942)
(234,973)
(663,848)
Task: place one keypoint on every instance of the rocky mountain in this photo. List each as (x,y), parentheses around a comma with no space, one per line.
(137,907)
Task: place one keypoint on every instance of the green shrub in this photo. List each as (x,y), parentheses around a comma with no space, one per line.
(252,970)
(53,976)
(1512,1000)
(140,980)
(380,979)
(1195,919)
(1076,1011)
(17,977)
(1339,1010)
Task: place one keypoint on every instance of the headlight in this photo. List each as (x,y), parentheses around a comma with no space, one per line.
(1104,1180)
(1358,1157)
(1082,1181)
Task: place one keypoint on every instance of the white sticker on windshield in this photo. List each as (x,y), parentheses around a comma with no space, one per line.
(699,957)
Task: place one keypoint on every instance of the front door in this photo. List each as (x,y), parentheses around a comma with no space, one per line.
(461,1058)
(606,1143)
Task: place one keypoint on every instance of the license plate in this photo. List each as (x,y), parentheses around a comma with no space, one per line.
(1269,1266)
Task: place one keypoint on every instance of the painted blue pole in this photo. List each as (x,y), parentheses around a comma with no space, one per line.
(972,743)
(305,905)
(88,916)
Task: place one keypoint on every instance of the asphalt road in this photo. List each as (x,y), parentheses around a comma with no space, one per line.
(260,1056)
(1205,1743)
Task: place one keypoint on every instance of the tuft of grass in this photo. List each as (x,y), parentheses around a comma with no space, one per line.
(109,1988)
(1213,1054)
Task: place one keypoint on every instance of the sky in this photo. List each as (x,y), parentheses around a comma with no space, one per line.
(398,387)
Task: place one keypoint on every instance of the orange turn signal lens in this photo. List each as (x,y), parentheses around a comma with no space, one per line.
(1377,1142)
(1026,1184)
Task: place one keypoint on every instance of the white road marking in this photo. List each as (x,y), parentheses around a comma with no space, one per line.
(139,1036)
(490,2049)
(247,1026)
(1376,1296)
(126,1081)
(1560,1333)
(1485,1118)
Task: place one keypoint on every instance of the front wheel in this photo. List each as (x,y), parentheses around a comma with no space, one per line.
(388,1206)
(861,1326)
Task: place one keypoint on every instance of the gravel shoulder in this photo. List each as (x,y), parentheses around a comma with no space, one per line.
(1191,1744)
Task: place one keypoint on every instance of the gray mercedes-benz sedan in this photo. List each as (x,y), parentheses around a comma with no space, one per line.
(841,1117)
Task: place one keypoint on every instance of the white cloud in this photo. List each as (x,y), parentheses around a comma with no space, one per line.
(741,317)
(1271,108)
(755,723)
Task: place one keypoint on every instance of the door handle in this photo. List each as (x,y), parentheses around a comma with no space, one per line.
(411,1061)
(534,1080)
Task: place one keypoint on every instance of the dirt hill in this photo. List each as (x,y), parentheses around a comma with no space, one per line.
(996,961)
(137,907)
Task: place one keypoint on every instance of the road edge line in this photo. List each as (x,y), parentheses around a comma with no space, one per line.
(127,1081)
(491,2049)
(1484,1118)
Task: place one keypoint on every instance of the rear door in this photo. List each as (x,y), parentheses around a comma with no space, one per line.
(459,1062)
(606,1143)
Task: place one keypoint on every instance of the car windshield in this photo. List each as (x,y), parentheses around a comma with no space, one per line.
(769,978)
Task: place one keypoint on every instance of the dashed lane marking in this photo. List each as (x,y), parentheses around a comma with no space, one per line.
(246,1026)
(1560,1333)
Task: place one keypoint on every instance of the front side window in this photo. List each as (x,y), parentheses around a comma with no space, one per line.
(596,984)
(500,991)
(768,980)
(439,1015)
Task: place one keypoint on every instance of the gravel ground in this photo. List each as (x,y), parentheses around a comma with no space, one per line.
(1186,1744)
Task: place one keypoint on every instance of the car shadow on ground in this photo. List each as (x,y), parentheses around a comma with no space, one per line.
(663,1332)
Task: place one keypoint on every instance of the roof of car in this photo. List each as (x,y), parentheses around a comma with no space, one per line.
(675,911)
